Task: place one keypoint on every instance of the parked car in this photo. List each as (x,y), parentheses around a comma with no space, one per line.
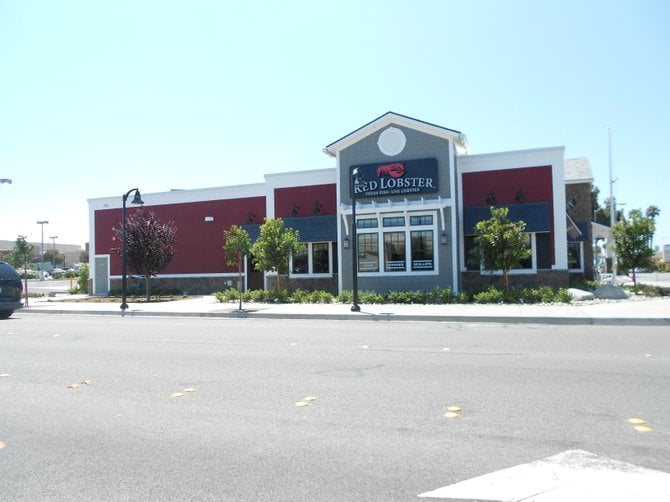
(11,289)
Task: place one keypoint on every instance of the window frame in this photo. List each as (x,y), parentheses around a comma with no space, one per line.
(580,251)
(407,228)
(310,262)
(519,271)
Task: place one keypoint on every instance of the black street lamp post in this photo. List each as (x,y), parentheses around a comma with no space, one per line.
(355,183)
(124,266)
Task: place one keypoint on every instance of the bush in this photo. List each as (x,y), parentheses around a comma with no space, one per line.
(82,281)
(255,296)
(370,297)
(228,295)
(437,295)
(464,297)
(491,295)
(441,295)
(346,296)
(563,296)
(320,297)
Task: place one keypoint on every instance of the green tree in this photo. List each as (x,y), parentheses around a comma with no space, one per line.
(274,247)
(632,240)
(500,244)
(53,256)
(150,244)
(601,212)
(22,253)
(236,246)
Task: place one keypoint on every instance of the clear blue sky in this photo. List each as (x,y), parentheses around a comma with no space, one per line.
(97,98)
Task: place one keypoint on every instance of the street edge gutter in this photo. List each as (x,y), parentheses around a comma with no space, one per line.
(572,321)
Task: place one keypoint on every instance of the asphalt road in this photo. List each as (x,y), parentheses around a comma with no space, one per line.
(376,431)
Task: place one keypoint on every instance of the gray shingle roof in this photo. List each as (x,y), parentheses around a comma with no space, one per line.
(578,170)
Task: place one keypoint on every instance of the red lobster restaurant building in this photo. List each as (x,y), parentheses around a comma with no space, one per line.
(418,197)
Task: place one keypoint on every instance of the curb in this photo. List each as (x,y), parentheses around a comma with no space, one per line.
(385,317)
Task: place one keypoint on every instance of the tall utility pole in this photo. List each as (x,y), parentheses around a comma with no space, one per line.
(610,245)
(42,222)
(53,250)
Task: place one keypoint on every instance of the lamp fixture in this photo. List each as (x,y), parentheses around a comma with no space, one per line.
(490,198)
(345,243)
(444,239)
(520,197)
(137,199)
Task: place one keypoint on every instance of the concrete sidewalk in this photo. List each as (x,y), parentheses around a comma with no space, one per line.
(636,311)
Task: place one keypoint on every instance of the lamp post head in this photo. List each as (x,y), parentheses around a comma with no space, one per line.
(137,199)
(6,180)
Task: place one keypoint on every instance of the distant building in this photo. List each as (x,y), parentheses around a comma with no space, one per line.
(418,196)
(71,252)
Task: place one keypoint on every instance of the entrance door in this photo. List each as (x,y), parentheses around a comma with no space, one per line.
(101,282)
(254,277)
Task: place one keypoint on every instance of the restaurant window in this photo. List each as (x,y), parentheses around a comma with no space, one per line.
(313,259)
(422,250)
(575,256)
(300,263)
(368,252)
(320,258)
(394,221)
(425,219)
(366,222)
(394,251)
(402,238)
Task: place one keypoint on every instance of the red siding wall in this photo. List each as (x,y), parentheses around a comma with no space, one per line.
(199,243)
(534,182)
(304,199)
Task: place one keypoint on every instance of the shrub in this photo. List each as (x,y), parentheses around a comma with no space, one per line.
(404,297)
(370,297)
(320,297)
(440,295)
(563,296)
(228,295)
(546,294)
(464,297)
(491,295)
(254,296)
(346,296)
(82,281)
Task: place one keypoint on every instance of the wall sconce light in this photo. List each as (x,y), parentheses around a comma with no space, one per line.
(490,198)
(444,239)
(345,243)
(520,197)
(209,218)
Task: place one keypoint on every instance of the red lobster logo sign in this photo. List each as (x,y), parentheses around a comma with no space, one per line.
(395,170)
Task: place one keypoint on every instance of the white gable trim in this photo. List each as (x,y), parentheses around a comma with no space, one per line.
(395,119)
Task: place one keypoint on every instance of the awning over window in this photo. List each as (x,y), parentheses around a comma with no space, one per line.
(578,231)
(534,214)
(310,228)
